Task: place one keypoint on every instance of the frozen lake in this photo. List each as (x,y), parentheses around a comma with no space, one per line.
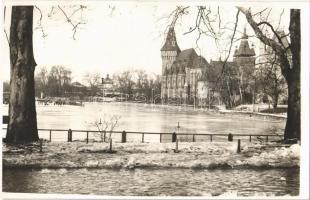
(151,182)
(146,118)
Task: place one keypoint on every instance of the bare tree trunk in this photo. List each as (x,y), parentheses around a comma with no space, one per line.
(240,92)
(292,128)
(291,71)
(275,102)
(22,127)
(240,89)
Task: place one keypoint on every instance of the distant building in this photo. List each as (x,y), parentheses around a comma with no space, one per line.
(189,77)
(107,86)
(180,70)
(244,56)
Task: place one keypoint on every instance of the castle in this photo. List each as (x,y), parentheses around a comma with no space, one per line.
(186,75)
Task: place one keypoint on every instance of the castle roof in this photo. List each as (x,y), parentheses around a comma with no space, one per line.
(171,42)
(186,54)
(214,70)
(190,58)
(187,58)
(244,49)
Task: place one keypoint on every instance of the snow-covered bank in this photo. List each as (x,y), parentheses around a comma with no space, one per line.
(142,155)
(258,115)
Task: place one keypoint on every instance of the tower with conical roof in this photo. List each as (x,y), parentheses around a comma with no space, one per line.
(244,56)
(169,53)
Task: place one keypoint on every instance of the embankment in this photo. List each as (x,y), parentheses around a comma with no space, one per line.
(200,155)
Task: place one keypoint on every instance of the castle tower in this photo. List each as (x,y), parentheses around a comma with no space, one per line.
(169,53)
(244,56)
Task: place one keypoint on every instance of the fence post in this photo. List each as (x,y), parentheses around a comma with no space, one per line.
(174,137)
(104,135)
(69,135)
(230,137)
(176,146)
(142,137)
(193,137)
(124,137)
(110,145)
(50,135)
(40,145)
(239,149)
(160,137)
(211,138)
(86,137)
(250,138)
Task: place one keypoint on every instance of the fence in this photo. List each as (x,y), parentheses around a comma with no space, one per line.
(163,136)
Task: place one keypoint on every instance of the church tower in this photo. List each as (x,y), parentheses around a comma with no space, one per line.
(169,53)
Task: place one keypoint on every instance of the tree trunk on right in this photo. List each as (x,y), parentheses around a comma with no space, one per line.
(292,128)
(289,58)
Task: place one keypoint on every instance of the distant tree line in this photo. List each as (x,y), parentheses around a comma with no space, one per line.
(137,83)
(265,85)
(57,82)
(53,83)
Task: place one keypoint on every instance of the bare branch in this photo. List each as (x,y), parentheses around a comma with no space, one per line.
(6,34)
(179,12)
(260,12)
(7,37)
(70,21)
(51,12)
(230,47)
(40,22)
(278,48)
(75,11)
(272,29)
(280,19)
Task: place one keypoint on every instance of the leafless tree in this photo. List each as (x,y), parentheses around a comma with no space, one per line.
(288,55)
(92,79)
(289,60)
(107,124)
(125,81)
(42,78)
(22,126)
(270,79)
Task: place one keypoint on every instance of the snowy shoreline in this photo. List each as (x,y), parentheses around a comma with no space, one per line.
(199,155)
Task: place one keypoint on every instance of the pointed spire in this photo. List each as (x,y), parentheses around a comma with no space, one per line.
(245,36)
(171,41)
(244,49)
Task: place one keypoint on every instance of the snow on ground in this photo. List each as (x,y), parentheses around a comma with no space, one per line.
(135,155)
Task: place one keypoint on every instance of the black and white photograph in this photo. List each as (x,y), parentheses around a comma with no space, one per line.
(177,99)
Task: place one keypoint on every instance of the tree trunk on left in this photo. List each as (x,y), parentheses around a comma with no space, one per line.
(22,127)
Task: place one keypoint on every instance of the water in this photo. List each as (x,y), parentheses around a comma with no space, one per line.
(158,182)
(148,118)
(154,182)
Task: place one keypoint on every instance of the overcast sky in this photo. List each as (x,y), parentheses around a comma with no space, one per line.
(116,37)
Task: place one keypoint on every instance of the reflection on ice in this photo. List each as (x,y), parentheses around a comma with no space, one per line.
(149,118)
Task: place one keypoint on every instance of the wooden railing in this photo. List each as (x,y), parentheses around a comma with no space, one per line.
(173,135)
